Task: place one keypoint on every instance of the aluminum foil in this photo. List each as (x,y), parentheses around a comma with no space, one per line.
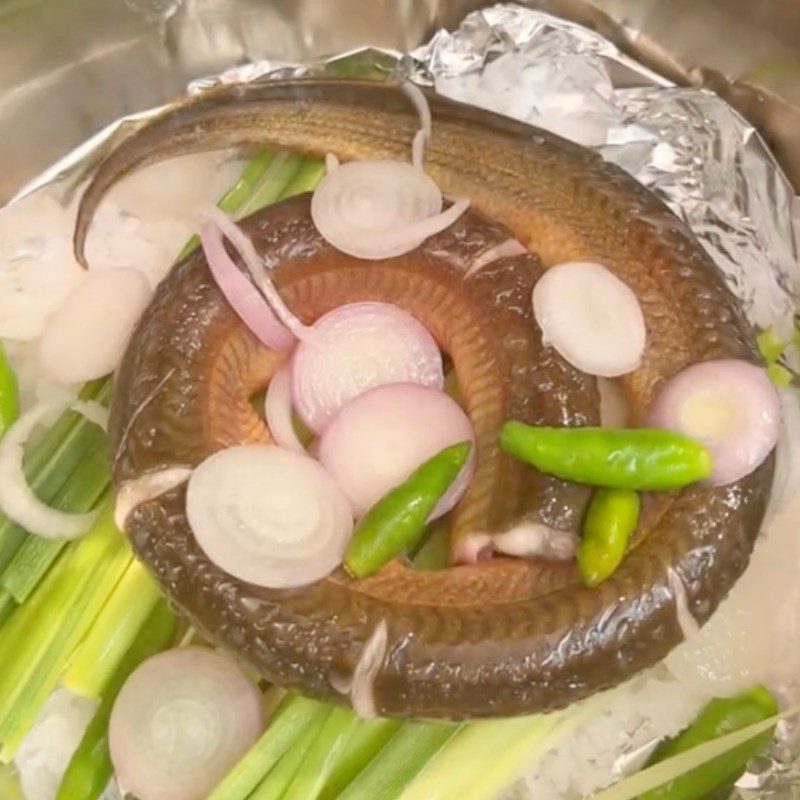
(704,160)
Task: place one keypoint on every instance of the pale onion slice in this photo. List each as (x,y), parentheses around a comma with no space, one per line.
(418,150)
(417,97)
(615,411)
(257,269)
(728,405)
(133,493)
(181,721)
(17,500)
(377,440)
(87,336)
(362,687)
(686,621)
(380,209)
(506,249)
(268,516)
(93,411)
(533,539)
(244,298)
(473,548)
(331,162)
(591,318)
(357,347)
(278,410)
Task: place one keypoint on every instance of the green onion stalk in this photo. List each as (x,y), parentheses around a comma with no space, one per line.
(81,606)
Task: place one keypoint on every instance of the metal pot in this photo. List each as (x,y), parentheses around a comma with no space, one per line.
(71,66)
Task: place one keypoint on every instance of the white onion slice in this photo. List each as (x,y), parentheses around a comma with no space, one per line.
(331,162)
(688,624)
(615,411)
(134,492)
(377,440)
(268,516)
(86,337)
(258,270)
(417,97)
(93,411)
(529,539)
(244,298)
(17,500)
(357,347)
(380,209)
(506,249)
(728,405)
(418,150)
(362,694)
(278,410)
(591,318)
(181,721)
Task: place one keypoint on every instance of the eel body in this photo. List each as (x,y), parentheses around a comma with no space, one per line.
(494,638)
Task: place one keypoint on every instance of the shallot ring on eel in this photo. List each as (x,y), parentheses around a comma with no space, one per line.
(495,638)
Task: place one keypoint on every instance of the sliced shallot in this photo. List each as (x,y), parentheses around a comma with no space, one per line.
(268,516)
(380,209)
(244,298)
(86,337)
(357,347)
(377,440)
(181,722)
(591,318)
(258,270)
(728,405)
(17,500)
(278,410)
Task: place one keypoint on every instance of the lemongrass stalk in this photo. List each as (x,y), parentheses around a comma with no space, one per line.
(50,459)
(367,739)
(9,393)
(117,627)
(72,599)
(459,769)
(331,741)
(399,761)
(306,179)
(248,182)
(279,174)
(277,780)
(7,607)
(291,719)
(80,494)
(89,769)
(434,553)
(10,786)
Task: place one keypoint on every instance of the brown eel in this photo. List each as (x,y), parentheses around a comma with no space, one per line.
(496,638)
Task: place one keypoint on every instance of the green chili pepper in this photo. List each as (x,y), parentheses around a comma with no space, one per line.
(9,393)
(719,717)
(396,523)
(642,459)
(610,521)
(90,768)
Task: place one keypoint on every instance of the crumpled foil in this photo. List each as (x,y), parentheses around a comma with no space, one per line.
(688,146)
